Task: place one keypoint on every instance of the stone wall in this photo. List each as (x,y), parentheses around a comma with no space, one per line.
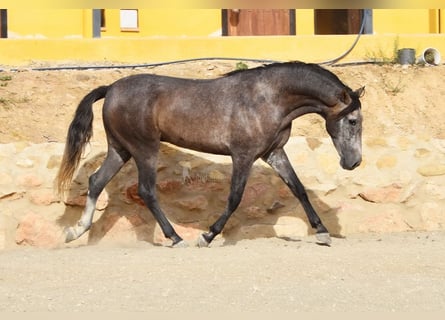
(400,186)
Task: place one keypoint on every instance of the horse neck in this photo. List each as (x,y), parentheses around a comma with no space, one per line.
(310,92)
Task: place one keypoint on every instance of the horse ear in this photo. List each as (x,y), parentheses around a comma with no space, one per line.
(344,97)
(360,92)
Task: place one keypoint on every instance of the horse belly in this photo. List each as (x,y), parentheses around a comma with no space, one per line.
(195,132)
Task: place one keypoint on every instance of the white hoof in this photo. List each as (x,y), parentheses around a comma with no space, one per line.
(202,242)
(180,244)
(323,238)
(70,234)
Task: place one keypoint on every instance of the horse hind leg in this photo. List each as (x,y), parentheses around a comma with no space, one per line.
(97,182)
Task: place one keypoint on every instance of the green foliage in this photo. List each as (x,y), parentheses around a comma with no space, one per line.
(4,80)
(381,57)
(241,66)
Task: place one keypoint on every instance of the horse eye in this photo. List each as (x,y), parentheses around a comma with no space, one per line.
(352,122)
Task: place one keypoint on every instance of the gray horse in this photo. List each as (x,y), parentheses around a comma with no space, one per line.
(245,115)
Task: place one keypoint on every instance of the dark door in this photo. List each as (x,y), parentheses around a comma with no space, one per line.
(3,23)
(338,21)
(257,22)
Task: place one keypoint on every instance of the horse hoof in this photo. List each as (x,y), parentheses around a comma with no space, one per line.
(70,234)
(202,242)
(180,244)
(323,238)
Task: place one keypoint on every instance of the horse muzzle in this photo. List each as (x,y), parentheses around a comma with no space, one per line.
(350,163)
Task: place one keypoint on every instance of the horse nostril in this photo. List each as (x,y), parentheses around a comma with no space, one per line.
(355,165)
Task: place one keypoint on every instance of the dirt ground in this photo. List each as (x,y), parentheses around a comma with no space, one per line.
(392,272)
(389,272)
(37,106)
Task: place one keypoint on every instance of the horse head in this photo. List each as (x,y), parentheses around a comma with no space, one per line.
(344,125)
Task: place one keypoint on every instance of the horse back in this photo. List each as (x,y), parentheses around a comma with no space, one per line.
(186,112)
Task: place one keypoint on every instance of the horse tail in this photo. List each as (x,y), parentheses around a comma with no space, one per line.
(79,134)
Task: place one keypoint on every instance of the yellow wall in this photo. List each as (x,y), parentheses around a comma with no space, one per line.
(172,22)
(194,22)
(17,52)
(175,34)
(404,21)
(47,23)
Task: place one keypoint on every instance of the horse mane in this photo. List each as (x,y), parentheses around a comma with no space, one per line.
(262,67)
(296,64)
(303,66)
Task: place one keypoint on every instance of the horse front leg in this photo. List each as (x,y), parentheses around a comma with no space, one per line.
(240,173)
(278,160)
(146,164)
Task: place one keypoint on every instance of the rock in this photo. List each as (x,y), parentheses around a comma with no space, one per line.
(7,188)
(386,161)
(198,202)
(21,145)
(433,215)
(376,142)
(285,193)
(387,194)
(54,161)
(322,188)
(254,212)
(43,197)
(8,226)
(5,180)
(432,170)
(388,220)
(80,201)
(290,227)
(329,162)
(402,191)
(313,143)
(216,175)
(422,153)
(132,194)
(254,193)
(435,190)
(25,163)
(403,143)
(29,180)
(35,230)
(275,206)
(169,185)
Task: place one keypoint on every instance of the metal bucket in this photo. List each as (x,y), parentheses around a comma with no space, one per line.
(429,57)
(406,56)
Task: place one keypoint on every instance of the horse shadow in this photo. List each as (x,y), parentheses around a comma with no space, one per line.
(192,191)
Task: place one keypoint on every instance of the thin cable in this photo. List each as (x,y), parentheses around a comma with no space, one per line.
(333,61)
(143,65)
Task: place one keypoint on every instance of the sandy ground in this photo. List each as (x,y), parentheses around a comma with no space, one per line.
(390,272)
